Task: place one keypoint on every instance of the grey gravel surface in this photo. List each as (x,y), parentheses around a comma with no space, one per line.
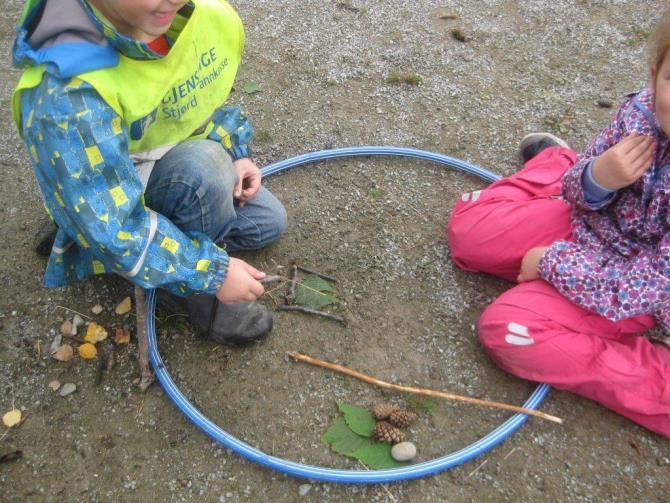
(324,68)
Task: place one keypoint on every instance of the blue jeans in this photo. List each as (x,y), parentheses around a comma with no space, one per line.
(192,185)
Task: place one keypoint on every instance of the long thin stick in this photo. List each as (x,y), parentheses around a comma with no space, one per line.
(317,273)
(290,296)
(146,376)
(307,310)
(420,391)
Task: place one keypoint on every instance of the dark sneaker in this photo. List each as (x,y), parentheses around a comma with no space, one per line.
(44,238)
(232,324)
(534,143)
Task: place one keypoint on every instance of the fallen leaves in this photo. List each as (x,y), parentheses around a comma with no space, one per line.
(124,306)
(95,333)
(251,88)
(121,336)
(12,418)
(88,351)
(64,353)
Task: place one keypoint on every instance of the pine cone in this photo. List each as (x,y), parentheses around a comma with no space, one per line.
(387,433)
(402,418)
(383,410)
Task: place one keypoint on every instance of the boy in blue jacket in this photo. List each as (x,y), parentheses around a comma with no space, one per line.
(142,168)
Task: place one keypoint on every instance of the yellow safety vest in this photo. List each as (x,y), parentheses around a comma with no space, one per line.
(168,100)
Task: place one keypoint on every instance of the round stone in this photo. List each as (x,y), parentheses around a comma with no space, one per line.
(68,388)
(404,451)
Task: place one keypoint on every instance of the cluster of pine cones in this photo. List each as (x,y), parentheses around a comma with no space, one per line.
(390,418)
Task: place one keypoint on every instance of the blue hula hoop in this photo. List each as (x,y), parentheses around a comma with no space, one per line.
(434,466)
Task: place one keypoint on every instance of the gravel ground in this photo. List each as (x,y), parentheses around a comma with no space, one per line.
(377,225)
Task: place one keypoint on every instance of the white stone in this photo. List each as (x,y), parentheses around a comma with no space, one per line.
(304,489)
(404,451)
(68,388)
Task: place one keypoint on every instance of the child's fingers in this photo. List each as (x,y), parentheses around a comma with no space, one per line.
(642,151)
(255,273)
(237,190)
(635,144)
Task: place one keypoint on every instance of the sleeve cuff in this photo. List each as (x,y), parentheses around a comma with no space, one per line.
(596,195)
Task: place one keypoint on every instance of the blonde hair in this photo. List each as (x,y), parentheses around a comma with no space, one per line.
(660,40)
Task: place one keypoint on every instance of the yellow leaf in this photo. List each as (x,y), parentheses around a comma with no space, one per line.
(12,418)
(121,336)
(87,351)
(95,333)
(124,306)
(64,353)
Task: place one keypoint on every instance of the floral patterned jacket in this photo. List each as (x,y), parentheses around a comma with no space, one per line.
(619,263)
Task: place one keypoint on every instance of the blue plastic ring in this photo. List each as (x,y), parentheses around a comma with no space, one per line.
(434,466)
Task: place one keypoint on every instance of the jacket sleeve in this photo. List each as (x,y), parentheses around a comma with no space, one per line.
(573,180)
(79,147)
(610,285)
(233,130)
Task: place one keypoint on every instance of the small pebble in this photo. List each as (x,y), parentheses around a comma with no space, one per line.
(97,309)
(55,344)
(603,103)
(68,388)
(68,328)
(304,489)
(54,385)
(404,451)
(77,321)
(461,35)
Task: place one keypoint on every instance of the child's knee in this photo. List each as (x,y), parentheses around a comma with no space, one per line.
(469,237)
(504,332)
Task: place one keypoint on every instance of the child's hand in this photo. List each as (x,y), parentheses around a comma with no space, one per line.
(241,284)
(249,180)
(625,162)
(530,262)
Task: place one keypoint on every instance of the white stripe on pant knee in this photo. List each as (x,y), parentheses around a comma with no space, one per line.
(518,335)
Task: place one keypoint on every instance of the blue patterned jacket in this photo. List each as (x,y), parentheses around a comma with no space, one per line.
(61,119)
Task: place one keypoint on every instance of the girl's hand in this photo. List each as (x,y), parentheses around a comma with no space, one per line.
(249,180)
(242,283)
(530,262)
(625,162)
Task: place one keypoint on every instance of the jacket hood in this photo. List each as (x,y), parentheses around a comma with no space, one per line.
(71,37)
(61,35)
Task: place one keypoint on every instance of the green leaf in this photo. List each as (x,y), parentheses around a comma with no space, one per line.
(314,292)
(422,404)
(251,88)
(360,420)
(376,456)
(341,439)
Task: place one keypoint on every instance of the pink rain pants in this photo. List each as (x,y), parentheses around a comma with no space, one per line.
(531,330)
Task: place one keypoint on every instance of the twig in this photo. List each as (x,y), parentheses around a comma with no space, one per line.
(271,279)
(389,493)
(75,338)
(102,366)
(509,453)
(320,275)
(146,376)
(290,296)
(477,469)
(420,391)
(10,456)
(72,311)
(307,310)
